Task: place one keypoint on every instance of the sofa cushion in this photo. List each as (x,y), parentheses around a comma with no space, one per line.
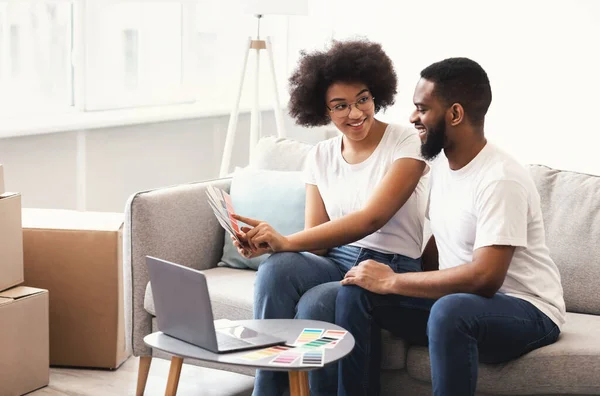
(570,365)
(231,293)
(279,154)
(571,212)
(393,353)
(277,197)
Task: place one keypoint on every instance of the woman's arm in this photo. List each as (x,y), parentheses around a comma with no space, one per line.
(389,196)
(315,212)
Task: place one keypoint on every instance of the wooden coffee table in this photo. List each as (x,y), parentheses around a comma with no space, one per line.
(288,329)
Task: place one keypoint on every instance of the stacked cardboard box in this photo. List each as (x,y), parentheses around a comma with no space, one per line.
(77,256)
(1,180)
(11,238)
(24,345)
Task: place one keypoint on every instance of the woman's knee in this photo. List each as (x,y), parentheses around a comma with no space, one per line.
(350,299)
(277,268)
(318,303)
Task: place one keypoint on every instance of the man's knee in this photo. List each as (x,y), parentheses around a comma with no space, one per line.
(451,312)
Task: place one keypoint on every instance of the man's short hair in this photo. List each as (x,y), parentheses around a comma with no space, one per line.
(463,81)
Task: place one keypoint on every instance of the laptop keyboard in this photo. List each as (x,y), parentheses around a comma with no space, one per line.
(226,342)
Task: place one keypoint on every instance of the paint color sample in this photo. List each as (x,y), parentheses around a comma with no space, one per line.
(264,353)
(313,358)
(308,335)
(337,334)
(286,358)
(319,343)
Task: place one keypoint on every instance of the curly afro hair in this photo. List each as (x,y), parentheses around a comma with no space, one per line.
(359,61)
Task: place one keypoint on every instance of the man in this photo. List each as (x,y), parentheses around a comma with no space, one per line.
(490,291)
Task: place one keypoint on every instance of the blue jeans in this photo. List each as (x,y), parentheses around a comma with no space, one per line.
(460,329)
(305,286)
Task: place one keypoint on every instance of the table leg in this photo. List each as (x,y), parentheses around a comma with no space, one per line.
(174,373)
(299,383)
(143,370)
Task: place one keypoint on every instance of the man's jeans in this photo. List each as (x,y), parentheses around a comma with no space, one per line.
(460,329)
(304,286)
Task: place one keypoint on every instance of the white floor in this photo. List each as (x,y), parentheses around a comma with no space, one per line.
(194,381)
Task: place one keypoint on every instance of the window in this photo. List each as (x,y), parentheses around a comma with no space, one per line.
(136,54)
(36,74)
(61,56)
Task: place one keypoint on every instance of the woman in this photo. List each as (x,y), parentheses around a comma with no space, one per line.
(365,195)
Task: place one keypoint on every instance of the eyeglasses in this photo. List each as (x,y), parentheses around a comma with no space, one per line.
(343,109)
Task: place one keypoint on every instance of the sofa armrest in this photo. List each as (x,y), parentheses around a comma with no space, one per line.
(173,223)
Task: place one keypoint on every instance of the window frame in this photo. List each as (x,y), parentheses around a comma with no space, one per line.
(47,110)
(81,115)
(89,102)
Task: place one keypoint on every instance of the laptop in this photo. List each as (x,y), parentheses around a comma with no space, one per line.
(183,311)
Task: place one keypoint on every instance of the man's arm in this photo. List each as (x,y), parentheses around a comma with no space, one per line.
(501,226)
(483,276)
(501,209)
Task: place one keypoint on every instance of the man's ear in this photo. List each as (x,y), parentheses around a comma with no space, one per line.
(455,114)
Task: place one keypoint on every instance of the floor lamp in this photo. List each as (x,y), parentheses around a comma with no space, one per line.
(259,8)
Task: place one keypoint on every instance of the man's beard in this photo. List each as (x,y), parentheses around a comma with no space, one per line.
(434,143)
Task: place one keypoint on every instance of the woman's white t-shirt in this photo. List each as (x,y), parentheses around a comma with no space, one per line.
(346,188)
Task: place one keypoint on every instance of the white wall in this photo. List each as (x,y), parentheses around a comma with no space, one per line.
(542,57)
(118,162)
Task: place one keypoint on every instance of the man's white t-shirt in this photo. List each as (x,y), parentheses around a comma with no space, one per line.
(493,201)
(346,188)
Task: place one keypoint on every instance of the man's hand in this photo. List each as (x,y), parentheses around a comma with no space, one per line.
(370,275)
(262,236)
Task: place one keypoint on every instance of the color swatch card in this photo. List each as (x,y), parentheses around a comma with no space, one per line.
(336,334)
(308,335)
(286,358)
(220,203)
(230,211)
(315,357)
(264,353)
(318,343)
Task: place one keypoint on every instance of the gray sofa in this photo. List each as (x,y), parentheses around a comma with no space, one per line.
(177,224)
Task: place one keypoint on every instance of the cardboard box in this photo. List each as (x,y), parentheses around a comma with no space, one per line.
(11,241)
(24,345)
(77,256)
(1,180)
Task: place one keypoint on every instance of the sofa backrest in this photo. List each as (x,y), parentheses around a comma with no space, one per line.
(570,207)
(279,154)
(571,212)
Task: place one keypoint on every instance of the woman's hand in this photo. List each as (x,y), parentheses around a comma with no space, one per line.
(262,237)
(244,248)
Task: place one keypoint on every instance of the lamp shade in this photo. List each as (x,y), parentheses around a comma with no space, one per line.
(276,7)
